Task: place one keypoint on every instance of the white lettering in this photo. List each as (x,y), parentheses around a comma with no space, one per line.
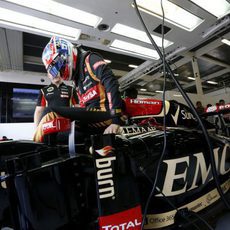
(171,176)
(187,115)
(123,226)
(90,95)
(199,172)
(135,101)
(223,170)
(103,175)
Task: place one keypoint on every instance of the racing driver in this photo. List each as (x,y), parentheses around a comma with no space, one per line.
(96,86)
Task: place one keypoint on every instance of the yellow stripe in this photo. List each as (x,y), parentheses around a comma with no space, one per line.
(90,70)
(101,87)
(102,97)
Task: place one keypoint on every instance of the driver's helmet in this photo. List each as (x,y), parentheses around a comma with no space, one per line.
(58,57)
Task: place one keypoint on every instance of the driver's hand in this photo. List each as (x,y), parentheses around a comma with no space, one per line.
(113,128)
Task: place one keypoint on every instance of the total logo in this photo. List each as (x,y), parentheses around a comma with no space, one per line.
(48,125)
(131,225)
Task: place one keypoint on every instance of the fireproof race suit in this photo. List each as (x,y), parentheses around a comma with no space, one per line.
(97,90)
(97,87)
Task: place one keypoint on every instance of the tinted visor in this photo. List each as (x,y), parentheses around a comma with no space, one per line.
(57,64)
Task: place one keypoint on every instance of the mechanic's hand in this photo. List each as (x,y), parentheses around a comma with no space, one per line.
(113,128)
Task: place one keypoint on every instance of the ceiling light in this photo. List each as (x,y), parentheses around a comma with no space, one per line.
(218,8)
(159,91)
(173,13)
(61,10)
(107,61)
(133,66)
(225,41)
(29,23)
(139,35)
(144,90)
(134,49)
(212,82)
(192,78)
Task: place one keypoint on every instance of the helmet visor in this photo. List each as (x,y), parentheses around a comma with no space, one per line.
(56,65)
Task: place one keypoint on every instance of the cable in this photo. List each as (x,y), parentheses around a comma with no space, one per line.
(164,128)
(201,219)
(179,210)
(212,160)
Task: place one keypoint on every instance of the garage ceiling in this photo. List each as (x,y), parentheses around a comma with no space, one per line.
(196,54)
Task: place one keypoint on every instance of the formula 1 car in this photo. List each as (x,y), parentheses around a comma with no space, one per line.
(147,177)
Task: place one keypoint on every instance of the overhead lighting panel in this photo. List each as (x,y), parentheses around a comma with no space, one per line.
(173,13)
(212,82)
(132,66)
(226,41)
(139,35)
(218,8)
(134,49)
(61,10)
(10,18)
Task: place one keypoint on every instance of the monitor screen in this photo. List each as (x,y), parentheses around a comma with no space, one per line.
(24,102)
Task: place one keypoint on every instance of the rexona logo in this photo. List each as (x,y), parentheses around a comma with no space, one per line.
(105,173)
(89,95)
(124,226)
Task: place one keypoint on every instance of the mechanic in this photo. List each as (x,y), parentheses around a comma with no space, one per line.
(97,88)
(55,94)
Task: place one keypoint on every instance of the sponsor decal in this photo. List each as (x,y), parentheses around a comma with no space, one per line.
(87,85)
(134,130)
(49,93)
(123,226)
(137,101)
(86,79)
(200,171)
(105,151)
(105,173)
(175,117)
(89,95)
(211,109)
(65,96)
(222,107)
(126,220)
(187,115)
(65,92)
(161,220)
(48,125)
(50,89)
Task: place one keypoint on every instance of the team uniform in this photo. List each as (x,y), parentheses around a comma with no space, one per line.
(52,95)
(97,88)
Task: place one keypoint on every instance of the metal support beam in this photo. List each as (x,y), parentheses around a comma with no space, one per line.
(196,73)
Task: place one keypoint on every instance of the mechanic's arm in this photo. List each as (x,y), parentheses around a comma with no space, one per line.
(38,114)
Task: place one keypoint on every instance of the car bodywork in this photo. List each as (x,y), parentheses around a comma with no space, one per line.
(108,182)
